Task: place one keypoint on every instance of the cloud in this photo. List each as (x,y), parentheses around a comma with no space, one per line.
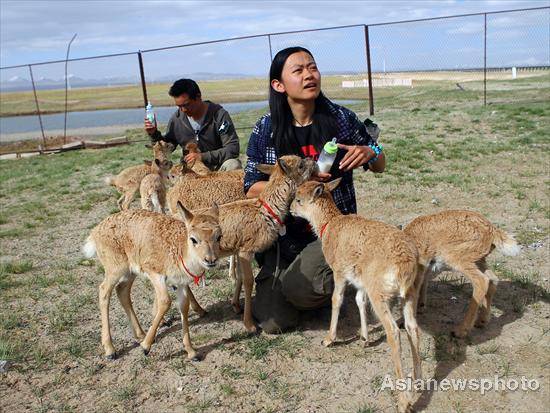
(33,30)
(468,28)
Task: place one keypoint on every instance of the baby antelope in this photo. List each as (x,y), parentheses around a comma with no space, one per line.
(461,240)
(152,188)
(376,258)
(168,251)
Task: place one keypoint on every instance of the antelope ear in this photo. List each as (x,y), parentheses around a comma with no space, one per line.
(266,169)
(318,191)
(147,162)
(185,213)
(284,166)
(333,184)
(214,210)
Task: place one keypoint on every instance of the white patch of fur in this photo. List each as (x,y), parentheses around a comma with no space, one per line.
(438,266)
(136,269)
(510,248)
(88,249)
(108,180)
(155,201)
(352,278)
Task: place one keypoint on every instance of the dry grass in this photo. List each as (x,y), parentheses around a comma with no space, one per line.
(444,150)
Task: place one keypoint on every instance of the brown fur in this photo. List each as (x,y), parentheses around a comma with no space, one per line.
(248,228)
(462,240)
(195,191)
(142,242)
(153,186)
(128,180)
(377,258)
(198,166)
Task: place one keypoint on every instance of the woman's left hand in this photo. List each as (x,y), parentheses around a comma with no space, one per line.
(356,156)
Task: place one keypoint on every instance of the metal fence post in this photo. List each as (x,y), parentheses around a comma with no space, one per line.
(66,90)
(37,107)
(485,61)
(270,48)
(369,71)
(142,74)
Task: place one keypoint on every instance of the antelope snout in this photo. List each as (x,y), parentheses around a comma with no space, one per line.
(210,262)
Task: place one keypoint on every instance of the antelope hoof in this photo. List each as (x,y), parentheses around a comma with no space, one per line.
(366,343)
(111,356)
(459,333)
(405,405)
(251,330)
(327,342)
(480,323)
(145,350)
(194,358)
(236,308)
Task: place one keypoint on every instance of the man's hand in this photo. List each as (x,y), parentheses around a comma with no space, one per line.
(149,127)
(356,156)
(192,157)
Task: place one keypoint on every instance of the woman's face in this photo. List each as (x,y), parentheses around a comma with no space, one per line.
(300,79)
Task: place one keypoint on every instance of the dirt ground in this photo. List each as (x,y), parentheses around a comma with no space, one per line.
(56,323)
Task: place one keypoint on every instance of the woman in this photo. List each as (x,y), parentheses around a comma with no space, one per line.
(294,275)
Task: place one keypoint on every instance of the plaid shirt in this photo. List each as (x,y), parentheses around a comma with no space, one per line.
(351,131)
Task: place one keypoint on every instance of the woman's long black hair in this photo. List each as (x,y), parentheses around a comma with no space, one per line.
(324,124)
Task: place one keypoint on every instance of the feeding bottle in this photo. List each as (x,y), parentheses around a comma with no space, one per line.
(150,114)
(328,154)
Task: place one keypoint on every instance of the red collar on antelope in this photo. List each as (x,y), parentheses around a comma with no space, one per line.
(271,212)
(323,230)
(196,278)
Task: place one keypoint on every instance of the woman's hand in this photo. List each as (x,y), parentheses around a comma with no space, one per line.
(356,156)
(320,176)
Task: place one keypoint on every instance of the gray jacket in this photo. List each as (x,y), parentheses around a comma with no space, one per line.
(217,138)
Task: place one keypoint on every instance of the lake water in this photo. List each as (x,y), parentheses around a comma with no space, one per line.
(88,119)
(101,122)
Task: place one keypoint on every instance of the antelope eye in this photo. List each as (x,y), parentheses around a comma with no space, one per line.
(194,241)
(219,238)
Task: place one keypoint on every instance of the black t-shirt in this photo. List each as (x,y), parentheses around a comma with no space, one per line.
(298,229)
(306,142)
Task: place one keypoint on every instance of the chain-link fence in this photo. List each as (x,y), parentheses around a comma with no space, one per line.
(374,66)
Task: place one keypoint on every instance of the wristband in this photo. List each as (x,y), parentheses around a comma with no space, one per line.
(377,150)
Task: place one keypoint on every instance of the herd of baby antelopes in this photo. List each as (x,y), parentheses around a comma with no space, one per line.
(210,218)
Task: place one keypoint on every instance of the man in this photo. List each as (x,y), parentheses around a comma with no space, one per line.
(204,122)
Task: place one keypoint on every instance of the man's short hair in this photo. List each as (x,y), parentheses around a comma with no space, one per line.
(187,86)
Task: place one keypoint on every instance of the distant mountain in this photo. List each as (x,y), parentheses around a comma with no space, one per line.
(17,83)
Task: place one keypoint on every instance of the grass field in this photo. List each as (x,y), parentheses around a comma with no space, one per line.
(242,90)
(444,150)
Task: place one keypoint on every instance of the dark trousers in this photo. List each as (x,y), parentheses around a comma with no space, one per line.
(304,282)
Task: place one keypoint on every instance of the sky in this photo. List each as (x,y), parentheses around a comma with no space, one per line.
(38,31)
